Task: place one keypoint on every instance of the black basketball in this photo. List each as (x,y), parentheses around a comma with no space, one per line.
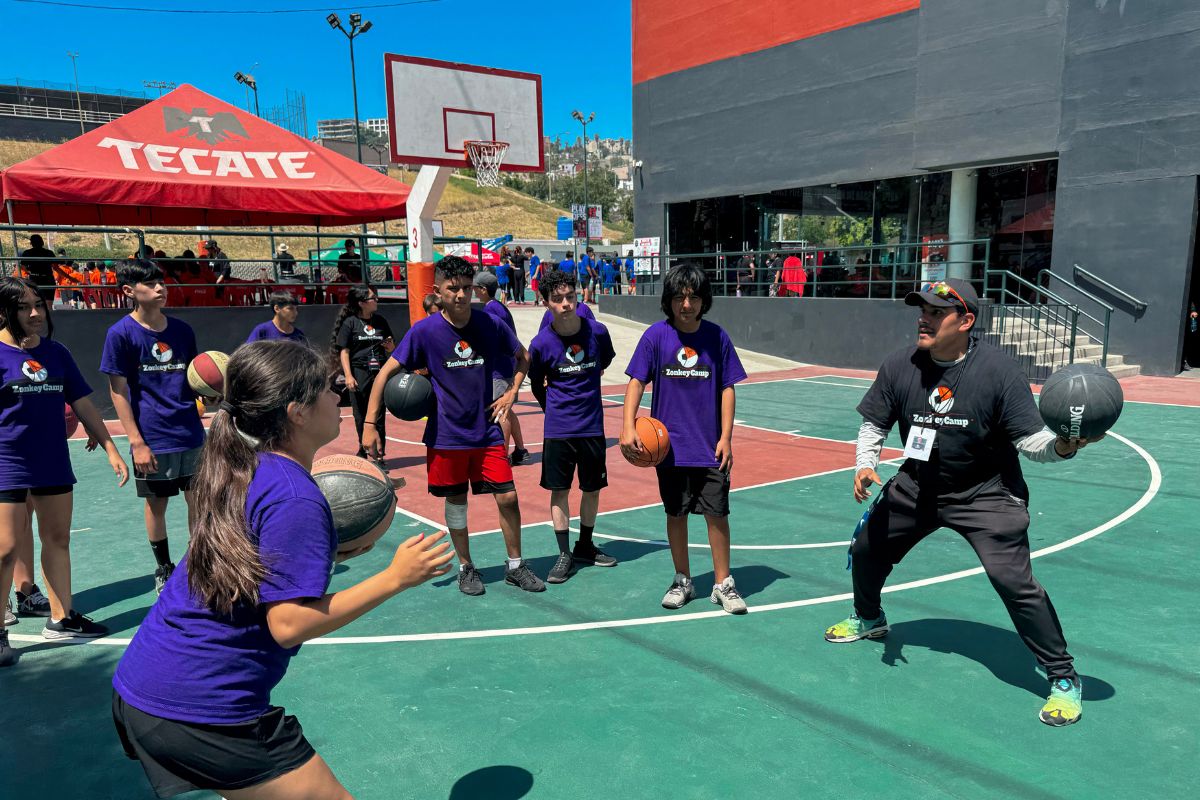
(409,396)
(360,496)
(1081,400)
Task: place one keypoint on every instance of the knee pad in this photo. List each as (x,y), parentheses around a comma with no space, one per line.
(456,516)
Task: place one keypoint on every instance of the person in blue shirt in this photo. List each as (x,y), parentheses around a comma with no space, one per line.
(502,274)
(535,274)
(588,275)
(567,264)
(629,274)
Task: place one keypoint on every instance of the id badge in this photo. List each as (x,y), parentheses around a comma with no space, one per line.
(920,443)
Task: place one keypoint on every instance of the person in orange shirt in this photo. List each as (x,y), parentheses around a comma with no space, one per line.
(69,280)
(93,276)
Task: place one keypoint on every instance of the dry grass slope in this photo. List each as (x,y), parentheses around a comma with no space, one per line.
(466,210)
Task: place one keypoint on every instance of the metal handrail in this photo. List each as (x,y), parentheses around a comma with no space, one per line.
(1072,323)
(1138,305)
(1108,312)
(1006,275)
(49,112)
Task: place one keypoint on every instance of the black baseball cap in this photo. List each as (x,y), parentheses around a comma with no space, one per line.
(950,293)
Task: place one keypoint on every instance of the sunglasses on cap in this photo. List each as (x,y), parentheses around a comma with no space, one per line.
(943,289)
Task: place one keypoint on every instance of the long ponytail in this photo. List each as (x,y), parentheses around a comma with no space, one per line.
(262,379)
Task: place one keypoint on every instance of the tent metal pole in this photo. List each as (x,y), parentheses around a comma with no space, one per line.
(16,270)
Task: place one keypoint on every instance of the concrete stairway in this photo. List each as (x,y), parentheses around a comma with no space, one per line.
(1040,347)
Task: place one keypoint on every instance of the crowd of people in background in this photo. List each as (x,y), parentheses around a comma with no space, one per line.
(595,274)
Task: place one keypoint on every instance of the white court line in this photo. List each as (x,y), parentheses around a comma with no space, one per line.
(1142,502)
(832,383)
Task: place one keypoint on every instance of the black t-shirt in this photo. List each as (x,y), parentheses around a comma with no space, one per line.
(364,340)
(286,263)
(978,406)
(518,260)
(40,263)
(351,266)
(219,263)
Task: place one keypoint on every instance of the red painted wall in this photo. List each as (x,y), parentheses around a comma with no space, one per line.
(673,35)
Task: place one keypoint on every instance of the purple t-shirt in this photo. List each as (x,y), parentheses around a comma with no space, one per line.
(571,367)
(689,371)
(501,313)
(267,330)
(34,386)
(461,363)
(155,364)
(581,309)
(191,664)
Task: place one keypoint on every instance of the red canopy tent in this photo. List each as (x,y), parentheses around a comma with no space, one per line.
(190,159)
(490,257)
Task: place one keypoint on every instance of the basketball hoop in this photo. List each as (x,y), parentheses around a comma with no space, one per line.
(486,157)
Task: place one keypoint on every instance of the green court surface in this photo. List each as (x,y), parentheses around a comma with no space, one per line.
(593,690)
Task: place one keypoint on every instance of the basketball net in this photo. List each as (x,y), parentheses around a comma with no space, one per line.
(486,157)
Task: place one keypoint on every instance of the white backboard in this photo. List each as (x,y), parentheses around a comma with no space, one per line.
(434,106)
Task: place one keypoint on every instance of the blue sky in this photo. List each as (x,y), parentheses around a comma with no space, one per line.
(582,51)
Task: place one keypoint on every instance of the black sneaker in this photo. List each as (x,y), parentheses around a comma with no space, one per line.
(563,568)
(470,581)
(34,604)
(161,575)
(523,577)
(73,626)
(588,553)
(519,456)
(9,617)
(8,656)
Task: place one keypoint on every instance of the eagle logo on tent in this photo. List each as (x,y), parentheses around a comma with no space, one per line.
(463,349)
(575,353)
(687,357)
(942,399)
(210,128)
(33,370)
(162,352)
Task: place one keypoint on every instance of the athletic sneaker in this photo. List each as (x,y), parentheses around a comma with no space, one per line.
(73,626)
(161,575)
(855,627)
(523,577)
(588,553)
(519,456)
(563,568)
(1064,706)
(8,656)
(725,594)
(470,581)
(680,593)
(9,617)
(34,604)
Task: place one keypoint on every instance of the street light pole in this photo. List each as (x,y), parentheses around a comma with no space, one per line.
(250,82)
(587,228)
(357,28)
(78,102)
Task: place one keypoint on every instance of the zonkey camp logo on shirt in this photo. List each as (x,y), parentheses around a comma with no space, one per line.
(465,356)
(369,333)
(941,400)
(575,354)
(34,371)
(163,354)
(688,359)
(37,376)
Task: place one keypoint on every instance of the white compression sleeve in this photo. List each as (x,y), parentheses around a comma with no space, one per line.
(1039,446)
(869,445)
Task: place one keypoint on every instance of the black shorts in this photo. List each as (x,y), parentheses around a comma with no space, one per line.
(561,457)
(175,473)
(21,495)
(180,757)
(694,490)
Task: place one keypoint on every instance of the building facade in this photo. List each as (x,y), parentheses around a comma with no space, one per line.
(1061,133)
(344,128)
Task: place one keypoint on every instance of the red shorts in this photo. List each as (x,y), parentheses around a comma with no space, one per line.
(533,284)
(486,469)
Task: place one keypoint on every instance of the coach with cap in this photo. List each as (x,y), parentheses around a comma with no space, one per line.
(965,411)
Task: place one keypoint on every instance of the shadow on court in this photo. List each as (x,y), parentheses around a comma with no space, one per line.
(1001,651)
(496,783)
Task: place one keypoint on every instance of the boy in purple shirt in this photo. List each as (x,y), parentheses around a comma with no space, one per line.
(566,361)
(192,694)
(146,356)
(485,289)
(462,349)
(582,309)
(693,366)
(283,324)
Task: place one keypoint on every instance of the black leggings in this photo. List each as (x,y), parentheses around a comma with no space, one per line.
(516,280)
(359,398)
(996,525)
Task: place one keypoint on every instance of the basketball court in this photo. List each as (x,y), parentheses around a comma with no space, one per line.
(592,689)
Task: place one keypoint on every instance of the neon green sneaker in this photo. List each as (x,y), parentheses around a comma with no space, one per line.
(854,628)
(1064,706)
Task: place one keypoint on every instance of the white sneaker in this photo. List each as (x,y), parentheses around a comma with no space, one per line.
(725,594)
(680,593)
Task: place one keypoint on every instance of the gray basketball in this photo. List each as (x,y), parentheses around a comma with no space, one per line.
(1081,401)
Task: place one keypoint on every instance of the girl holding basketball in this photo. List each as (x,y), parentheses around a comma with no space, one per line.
(192,694)
(362,340)
(694,367)
(37,376)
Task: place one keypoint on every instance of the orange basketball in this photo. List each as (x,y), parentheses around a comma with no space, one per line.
(360,496)
(656,443)
(72,422)
(206,374)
